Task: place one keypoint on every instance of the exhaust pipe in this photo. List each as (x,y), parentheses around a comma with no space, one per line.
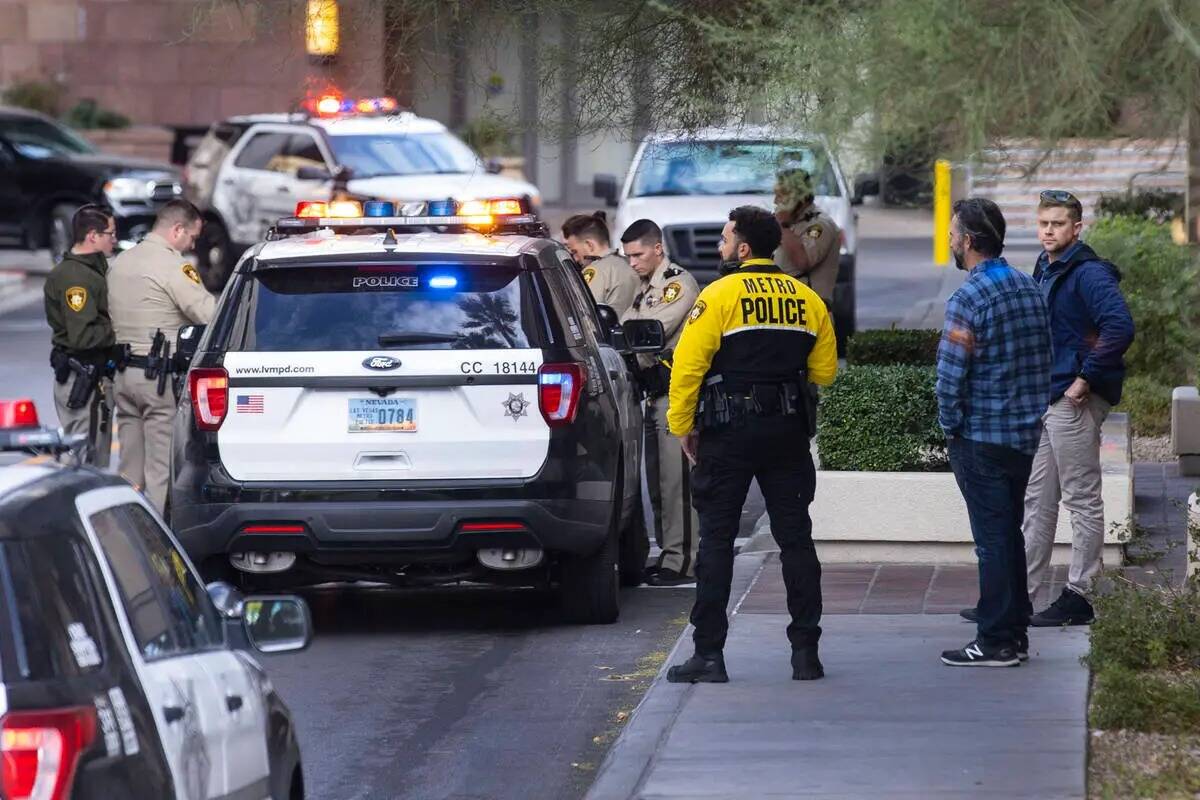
(262,562)
(510,558)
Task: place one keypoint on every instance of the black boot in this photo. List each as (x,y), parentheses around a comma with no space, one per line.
(1070,608)
(806,666)
(699,669)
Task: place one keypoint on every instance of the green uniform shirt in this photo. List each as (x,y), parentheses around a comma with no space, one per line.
(76,296)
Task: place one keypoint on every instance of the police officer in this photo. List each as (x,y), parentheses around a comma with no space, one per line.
(154,292)
(665,293)
(752,341)
(608,275)
(76,302)
(810,247)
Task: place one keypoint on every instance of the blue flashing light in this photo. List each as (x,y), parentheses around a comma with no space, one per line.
(442,208)
(347,106)
(443,282)
(379,208)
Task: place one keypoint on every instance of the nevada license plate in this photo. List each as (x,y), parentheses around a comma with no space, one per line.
(382,415)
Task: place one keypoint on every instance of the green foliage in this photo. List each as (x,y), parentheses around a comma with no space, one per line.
(1161,283)
(1149,702)
(1157,205)
(87,115)
(898,346)
(1146,628)
(1148,404)
(43,96)
(489,135)
(881,418)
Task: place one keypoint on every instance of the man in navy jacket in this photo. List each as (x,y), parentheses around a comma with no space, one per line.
(1090,328)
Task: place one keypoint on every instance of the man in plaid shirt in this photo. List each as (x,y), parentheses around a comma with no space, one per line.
(993,386)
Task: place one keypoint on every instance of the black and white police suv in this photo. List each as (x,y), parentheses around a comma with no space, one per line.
(121,676)
(417,401)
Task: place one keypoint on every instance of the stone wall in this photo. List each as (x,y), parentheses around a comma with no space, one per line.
(185,62)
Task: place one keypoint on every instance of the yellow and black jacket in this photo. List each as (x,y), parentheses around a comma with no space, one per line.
(755,325)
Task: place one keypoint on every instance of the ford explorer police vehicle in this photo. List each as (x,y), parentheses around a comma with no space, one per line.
(249,171)
(121,676)
(414,400)
(688,183)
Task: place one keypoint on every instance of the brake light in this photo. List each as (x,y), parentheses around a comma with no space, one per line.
(491,527)
(41,750)
(209,388)
(559,388)
(18,414)
(278,528)
(311,208)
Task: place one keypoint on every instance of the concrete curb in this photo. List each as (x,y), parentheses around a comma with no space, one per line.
(628,763)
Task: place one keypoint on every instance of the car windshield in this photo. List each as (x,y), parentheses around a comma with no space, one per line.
(422,306)
(728,167)
(372,155)
(39,139)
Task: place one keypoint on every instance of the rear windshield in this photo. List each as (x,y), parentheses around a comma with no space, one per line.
(422,306)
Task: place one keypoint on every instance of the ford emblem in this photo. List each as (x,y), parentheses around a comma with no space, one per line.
(381,362)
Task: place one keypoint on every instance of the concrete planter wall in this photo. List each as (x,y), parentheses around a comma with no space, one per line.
(920,517)
(138,141)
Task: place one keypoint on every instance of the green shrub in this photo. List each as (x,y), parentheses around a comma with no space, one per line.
(897,346)
(1148,404)
(881,418)
(87,115)
(1146,628)
(489,134)
(1161,283)
(1158,205)
(1149,702)
(43,96)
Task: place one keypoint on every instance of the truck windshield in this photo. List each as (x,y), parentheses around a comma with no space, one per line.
(37,139)
(373,155)
(728,167)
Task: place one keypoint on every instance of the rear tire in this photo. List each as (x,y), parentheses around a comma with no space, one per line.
(589,586)
(635,548)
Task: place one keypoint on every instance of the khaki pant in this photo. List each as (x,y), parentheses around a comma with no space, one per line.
(79,420)
(1067,468)
(144,421)
(668,479)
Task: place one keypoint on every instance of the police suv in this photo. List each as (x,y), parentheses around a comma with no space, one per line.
(249,171)
(414,400)
(121,676)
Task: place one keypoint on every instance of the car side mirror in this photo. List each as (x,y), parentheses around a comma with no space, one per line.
(493,166)
(311,173)
(277,623)
(610,323)
(644,335)
(605,186)
(187,340)
(865,184)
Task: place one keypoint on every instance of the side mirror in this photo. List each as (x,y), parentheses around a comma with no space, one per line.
(605,186)
(493,166)
(644,335)
(310,173)
(187,340)
(610,323)
(865,184)
(277,623)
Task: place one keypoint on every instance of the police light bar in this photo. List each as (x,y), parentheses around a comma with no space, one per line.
(332,104)
(502,207)
(297,223)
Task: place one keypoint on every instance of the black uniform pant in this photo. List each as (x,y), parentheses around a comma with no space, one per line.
(775,451)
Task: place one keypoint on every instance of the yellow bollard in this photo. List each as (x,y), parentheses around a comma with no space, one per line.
(941,212)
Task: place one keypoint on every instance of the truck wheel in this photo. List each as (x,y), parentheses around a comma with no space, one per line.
(61,236)
(214,255)
(635,547)
(590,585)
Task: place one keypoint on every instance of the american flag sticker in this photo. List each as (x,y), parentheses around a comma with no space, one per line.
(249,404)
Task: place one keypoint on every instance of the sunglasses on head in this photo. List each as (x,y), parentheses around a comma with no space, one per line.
(1059,196)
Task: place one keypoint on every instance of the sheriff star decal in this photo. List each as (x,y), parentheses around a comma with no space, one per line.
(191,273)
(588,274)
(672,292)
(814,232)
(696,311)
(515,406)
(76,298)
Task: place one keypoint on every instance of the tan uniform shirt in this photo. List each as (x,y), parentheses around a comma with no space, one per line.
(821,238)
(667,296)
(612,281)
(152,287)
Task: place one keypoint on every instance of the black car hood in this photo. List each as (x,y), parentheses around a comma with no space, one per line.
(110,164)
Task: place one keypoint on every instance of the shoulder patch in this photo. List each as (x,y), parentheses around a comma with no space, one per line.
(814,232)
(672,292)
(671,272)
(588,274)
(696,311)
(77,297)
(191,273)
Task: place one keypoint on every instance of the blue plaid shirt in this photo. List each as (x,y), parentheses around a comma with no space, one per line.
(993,366)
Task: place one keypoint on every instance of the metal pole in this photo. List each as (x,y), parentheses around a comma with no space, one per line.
(941,212)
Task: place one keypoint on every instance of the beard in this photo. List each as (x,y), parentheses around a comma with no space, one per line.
(725,267)
(958,259)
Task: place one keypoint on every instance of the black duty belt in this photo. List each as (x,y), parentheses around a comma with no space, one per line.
(722,404)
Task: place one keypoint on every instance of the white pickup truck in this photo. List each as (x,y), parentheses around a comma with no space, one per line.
(688,183)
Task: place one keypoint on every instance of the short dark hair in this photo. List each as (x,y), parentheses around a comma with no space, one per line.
(177,212)
(644,231)
(981,219)
(1059,198)
(588,226)
(758,228)
(90,218)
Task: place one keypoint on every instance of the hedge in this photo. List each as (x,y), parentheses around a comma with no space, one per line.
(881,419)
(896,346)
(1148,404)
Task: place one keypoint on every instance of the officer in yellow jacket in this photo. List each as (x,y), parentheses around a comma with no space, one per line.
(738,401)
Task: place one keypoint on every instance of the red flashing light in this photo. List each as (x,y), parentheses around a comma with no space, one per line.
(41,749)
(329,105)
(387,104)
(18,414)
(311,208)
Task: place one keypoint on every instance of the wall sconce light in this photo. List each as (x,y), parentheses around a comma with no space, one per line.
(321,29)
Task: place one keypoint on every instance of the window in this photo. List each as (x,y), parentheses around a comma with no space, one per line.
(167,606)
(393,306)
(371,155)
(581,297)
(261,150)
(37,139)
(303,151)
(62,599)
(728,168)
